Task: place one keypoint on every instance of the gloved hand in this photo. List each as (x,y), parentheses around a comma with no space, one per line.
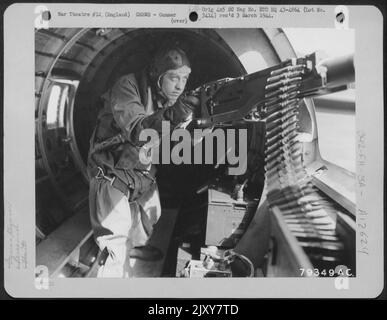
(192,101)
(180,112)
(183,109)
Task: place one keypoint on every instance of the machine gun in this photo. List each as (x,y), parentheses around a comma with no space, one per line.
(250,97)
(303,215)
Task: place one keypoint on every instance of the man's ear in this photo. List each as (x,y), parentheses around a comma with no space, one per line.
(160,81)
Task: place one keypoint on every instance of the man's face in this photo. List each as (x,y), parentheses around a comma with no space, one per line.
(173,82)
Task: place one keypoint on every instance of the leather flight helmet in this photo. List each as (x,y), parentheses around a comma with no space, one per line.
(168,58)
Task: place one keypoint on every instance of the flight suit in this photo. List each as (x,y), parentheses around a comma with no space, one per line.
(123,218)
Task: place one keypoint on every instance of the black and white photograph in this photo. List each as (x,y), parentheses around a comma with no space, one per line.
(282,205)
(148,148)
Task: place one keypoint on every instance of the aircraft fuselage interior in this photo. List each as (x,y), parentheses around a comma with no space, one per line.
(213,224)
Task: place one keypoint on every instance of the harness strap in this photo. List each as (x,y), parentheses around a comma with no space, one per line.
(117,139)
(115,182)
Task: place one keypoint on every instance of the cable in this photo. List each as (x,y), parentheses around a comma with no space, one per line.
(231,254)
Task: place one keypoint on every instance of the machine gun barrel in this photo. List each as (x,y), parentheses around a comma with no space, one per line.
(246,97)
(340,71)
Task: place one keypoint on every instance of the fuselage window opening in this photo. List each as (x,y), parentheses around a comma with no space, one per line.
(336,112)
(54,106)
(58,103)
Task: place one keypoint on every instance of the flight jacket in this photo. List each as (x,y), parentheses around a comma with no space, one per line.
(130,106)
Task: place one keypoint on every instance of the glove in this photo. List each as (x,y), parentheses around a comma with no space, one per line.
(183,109)
(192,101)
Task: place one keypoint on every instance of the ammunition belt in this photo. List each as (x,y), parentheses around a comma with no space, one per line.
(307,213)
